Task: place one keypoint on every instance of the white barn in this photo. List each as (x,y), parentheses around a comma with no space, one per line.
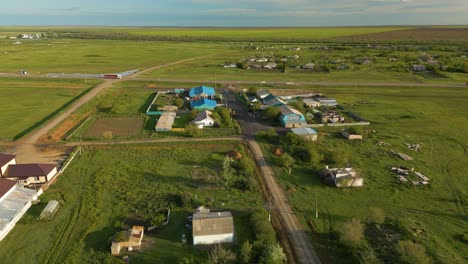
(212,227)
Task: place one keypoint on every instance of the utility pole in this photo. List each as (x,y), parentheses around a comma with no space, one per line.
(316,208)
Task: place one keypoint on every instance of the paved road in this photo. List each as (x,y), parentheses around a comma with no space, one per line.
(297,236)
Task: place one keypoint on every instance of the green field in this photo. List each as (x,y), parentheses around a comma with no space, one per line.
(233,34)
(433,117)
(111,189)
(381,69)
(29,103)
(95,56)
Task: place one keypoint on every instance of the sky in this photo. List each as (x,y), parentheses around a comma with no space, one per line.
(234,13)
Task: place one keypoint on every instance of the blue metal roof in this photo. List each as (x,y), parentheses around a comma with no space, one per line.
(202,90)
(203,104)
(304,131)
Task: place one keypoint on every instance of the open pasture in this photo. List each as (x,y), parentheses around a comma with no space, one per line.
(437,119)
(94,56)
(106,184)
(29,103)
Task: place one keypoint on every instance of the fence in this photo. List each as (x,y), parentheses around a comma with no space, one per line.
(148,110)
(339,124)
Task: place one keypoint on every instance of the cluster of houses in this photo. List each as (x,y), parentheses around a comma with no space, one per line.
(15,199)
(425,59)
(201,98)
(30,36)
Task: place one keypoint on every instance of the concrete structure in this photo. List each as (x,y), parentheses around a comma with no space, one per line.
(311,103)
(5,161)
(27,174)
(166,121)
(350,136)
(212,227)
(203,104)
(203,119)
(419,68)
(326,101)
(291,117)
(308,134)
(262,94)
(129,239)
(14,202)
(342,177)
(199,92)
(309,66)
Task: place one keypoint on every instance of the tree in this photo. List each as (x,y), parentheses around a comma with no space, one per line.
(228,171)
(356,130)
(272,112)
(299,105)
(376,215)
(411,252)
(179,102)
(245,253)
(252,91)
(192,130)
(352,232)
(286,161)
(158,220)
(291,139)
(220,255)
(271,135)
(335,157)
(273,254)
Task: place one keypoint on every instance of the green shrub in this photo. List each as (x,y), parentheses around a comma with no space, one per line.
(412,253)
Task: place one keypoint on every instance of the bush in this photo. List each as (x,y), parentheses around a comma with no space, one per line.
(352,232)
(376,215)
(245,254)
(286,161)
(192,130)
(264,232)
(220,255)
(273,254)
(272,113)
(411,252)
(335,157)
(355,130)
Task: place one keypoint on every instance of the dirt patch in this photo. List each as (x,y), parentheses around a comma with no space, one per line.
(117,126)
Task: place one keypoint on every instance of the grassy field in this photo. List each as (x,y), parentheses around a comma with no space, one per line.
(380,70)
(237,34)
(82,229)
(95,56)
(433,117)
(28,103)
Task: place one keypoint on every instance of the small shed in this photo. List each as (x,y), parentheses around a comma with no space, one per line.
(50,210)
(306,133)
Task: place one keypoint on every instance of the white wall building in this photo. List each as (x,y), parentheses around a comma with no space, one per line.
(212,227)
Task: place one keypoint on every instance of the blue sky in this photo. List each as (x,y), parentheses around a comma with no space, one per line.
(234,13)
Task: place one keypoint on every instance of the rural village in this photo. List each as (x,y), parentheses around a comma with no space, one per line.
(260,158)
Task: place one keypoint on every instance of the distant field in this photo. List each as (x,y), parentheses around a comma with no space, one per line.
(443,34)
(262,34)
(437,119)
(94,56)
(235,34)
(28,103)
(104,185)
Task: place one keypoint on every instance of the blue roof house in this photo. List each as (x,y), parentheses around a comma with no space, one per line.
(203,104)
(291,117)
(202,92)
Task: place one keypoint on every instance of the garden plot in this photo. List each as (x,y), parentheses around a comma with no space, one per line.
(115,126)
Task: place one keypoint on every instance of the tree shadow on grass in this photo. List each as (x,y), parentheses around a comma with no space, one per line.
(100,240)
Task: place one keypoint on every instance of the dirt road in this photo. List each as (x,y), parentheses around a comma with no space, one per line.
(296,234)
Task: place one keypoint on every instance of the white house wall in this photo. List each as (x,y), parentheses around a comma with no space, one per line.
(52,174)
(5,167)
(213,239)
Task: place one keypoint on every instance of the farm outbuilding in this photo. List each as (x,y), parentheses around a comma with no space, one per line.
(166,121)
(50,210)
(130,239)
(27,174)
(306,133)
(212,227)
(291,117)
(5,161)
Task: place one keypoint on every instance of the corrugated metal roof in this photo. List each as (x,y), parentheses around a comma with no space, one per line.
(304,131)
(202,116)
(166,121)
(201,90)
(214,223)
(289,110)
(29,170)
(202,103)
